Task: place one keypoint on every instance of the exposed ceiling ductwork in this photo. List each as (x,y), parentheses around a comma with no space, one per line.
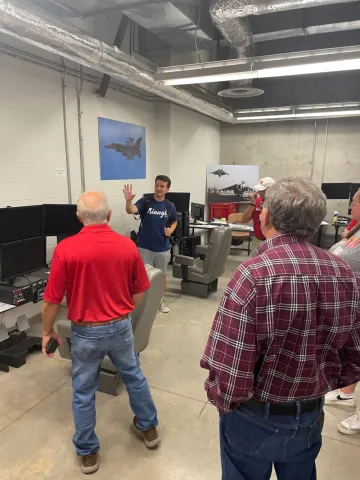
(243,8)
(97,55)
(230,17)
(237,31)
(90,52)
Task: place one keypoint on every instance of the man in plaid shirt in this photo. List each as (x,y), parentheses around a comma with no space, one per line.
(287,331)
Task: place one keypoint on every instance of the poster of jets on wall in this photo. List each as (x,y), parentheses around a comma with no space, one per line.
(231,183)
(122,150)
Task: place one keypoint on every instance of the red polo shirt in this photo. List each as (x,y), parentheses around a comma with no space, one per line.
(256,219)
(99,271)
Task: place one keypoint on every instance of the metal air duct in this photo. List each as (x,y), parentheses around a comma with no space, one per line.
(229,16)
(237,32)
(97,55)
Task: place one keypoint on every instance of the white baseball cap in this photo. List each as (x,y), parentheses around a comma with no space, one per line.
(264,184)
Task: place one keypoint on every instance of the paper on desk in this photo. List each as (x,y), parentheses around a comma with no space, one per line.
(5,306)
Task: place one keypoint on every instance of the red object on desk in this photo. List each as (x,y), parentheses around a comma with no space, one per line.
(222,210)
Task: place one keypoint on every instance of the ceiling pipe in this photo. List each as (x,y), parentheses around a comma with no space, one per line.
(230,17)
(228,9)
(237,32)
(92,53)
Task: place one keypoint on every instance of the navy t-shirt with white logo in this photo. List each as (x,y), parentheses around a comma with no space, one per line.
(153,223)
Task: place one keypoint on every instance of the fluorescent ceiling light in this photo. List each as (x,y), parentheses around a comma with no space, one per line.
(267,110)
(297,63)
(293,108)
(309,115)
(327,105)
(308,69)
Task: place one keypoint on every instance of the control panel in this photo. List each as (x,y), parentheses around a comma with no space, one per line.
(20,295)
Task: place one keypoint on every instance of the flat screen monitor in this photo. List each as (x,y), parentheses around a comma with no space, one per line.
(22,256)
(336,191)
(18,223)
(197,211)
(60,220)
(181,200)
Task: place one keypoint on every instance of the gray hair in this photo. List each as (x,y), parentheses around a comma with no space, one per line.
(296,206)
(93,208)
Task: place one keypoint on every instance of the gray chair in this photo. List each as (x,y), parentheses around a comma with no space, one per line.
(143,318)
(201,277)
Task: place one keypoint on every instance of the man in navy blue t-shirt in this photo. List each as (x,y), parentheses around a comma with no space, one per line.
(156,226)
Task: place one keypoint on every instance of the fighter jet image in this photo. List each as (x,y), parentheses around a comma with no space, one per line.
(129,150)
(238,189)
(219,173)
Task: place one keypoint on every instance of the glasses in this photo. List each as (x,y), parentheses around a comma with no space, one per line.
(353,204)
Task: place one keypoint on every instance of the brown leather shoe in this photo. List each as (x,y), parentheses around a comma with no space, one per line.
(90,463)
(151,437)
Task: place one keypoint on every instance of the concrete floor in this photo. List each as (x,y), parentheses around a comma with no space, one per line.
(36,420)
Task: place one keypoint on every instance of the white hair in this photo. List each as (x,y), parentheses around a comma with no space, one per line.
(296,206)
(93,213)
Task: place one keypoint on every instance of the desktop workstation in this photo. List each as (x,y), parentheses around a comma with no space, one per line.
(23,267)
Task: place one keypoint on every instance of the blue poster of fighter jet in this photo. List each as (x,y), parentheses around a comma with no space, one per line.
(122,150)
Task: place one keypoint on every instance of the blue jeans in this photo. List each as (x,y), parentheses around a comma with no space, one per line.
(89,345)
(252,442)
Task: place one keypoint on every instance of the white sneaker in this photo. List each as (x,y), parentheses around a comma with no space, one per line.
(163,307)
(336,398)
(351,426)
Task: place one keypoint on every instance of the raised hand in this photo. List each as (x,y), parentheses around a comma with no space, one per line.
(254,198)
(128,194)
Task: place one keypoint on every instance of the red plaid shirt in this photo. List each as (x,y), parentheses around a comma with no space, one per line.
(287,328)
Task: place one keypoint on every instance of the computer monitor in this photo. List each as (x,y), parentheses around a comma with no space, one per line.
(181,200)
(21,257)
(60,220)
(336,191)
(18,223)
(197,211)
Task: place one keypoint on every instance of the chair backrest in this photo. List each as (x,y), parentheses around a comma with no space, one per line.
(145,312)
(215,260)
(236,218)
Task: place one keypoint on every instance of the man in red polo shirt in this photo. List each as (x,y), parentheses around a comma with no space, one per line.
(104,278)
(254,210)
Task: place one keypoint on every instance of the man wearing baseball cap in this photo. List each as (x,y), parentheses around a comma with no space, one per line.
(254,210)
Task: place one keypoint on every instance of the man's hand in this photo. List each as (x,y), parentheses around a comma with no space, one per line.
(46,339)
(128,194)
(254,198)
(168,231)
(345,234)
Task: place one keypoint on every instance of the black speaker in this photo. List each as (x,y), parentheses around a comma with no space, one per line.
(179,227)
(186,224)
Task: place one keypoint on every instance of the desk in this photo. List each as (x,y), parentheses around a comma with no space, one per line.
(245,227)
(237,227)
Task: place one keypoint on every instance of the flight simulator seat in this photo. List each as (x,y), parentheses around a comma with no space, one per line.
(143,318)
(201,277)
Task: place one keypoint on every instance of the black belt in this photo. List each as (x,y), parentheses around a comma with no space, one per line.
(277,409)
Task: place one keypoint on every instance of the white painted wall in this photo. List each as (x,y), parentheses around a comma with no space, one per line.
(194,144)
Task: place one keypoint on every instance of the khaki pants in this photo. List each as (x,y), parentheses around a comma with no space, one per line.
(255,243)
